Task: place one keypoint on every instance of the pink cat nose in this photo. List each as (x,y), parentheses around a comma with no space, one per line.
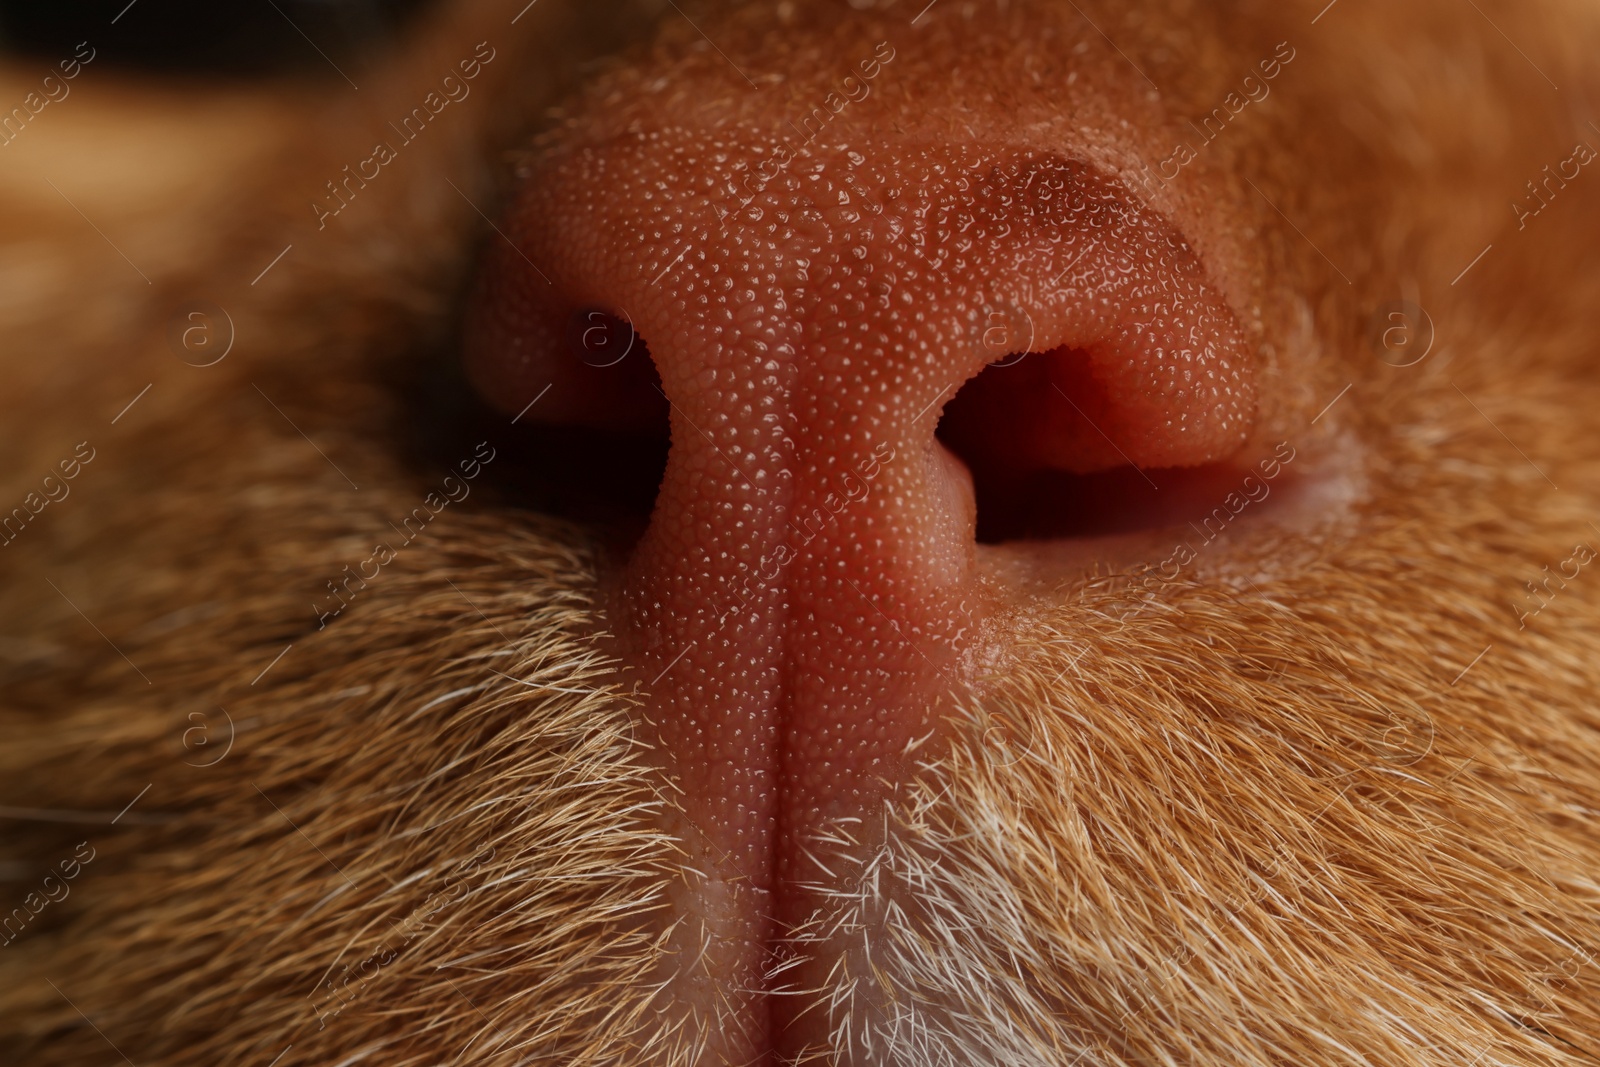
(807,603)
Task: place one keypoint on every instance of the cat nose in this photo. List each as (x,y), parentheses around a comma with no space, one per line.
(807,606)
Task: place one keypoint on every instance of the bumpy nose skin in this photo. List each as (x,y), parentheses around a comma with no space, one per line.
(813,286)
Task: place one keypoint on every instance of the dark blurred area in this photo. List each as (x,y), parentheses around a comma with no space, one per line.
(238,38)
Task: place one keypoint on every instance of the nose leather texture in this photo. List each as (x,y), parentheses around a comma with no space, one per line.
(807,605)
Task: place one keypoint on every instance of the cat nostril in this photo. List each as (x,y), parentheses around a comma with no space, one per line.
(1052,454)
(591,426)
(1032,410)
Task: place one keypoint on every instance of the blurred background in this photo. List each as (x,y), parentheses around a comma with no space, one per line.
(256,38)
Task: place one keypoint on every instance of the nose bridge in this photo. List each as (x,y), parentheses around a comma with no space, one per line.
(799,579)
